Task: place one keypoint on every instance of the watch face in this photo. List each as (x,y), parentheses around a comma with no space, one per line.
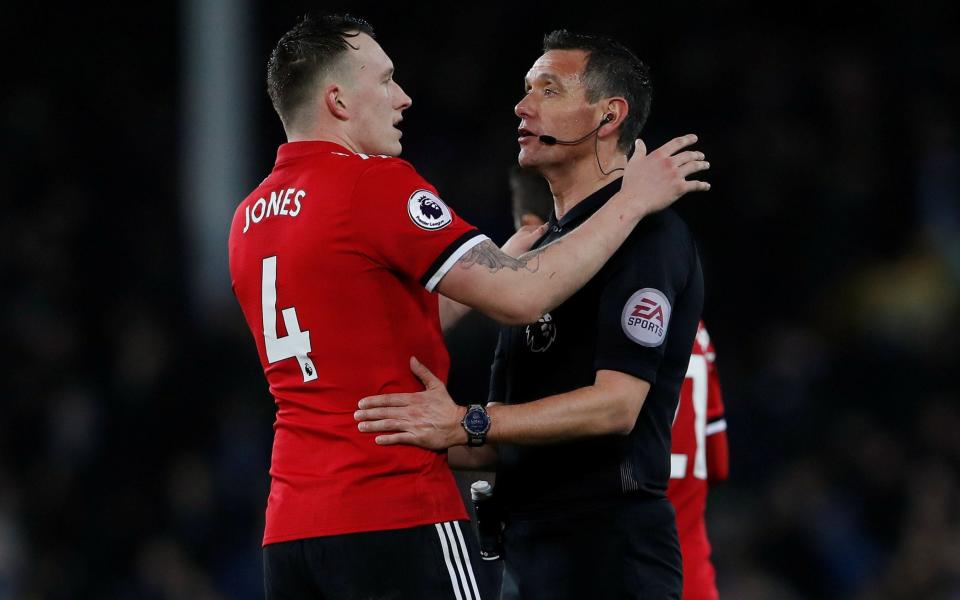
(476,421)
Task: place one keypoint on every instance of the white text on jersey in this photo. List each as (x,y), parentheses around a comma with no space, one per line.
(279,201)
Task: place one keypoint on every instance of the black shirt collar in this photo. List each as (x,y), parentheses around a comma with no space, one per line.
(585,207)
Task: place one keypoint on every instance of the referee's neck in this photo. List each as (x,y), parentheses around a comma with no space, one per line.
(572,185)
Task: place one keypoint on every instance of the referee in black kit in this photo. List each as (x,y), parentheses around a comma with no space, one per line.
(581,441)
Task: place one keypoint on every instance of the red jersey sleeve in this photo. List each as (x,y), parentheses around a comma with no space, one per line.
(714,394)
(404,225)
(718,455)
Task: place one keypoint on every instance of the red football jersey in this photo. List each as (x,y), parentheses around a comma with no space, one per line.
(698,456)
(333,258)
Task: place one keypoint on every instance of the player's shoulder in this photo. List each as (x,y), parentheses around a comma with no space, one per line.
(380,171)
(701,342)
(344,161)
(706,343)
(381,163)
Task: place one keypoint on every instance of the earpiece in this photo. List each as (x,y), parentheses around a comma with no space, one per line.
(550,140)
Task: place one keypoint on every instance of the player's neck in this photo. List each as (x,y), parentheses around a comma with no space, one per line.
(573,183)
(321,134)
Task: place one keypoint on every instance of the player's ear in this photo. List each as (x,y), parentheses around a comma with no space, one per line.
(335,100)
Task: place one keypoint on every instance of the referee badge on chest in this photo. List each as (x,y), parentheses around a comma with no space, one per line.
(540,335)
(646,316)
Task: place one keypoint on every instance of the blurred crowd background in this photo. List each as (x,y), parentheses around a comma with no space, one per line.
(135,424)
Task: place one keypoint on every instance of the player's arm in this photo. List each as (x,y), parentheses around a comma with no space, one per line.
(519,243)
(431,419)
(520,290)
(718,453)
(451,312)
(718,456)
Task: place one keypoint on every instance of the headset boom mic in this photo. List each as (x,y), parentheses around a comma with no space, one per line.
(549,140)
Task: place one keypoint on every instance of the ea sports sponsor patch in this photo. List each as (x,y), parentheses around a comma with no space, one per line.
(646,316)
(427,211)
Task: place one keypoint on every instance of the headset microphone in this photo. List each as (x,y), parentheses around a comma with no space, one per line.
(549,140)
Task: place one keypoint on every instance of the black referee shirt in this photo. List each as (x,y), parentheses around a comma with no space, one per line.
(638,315)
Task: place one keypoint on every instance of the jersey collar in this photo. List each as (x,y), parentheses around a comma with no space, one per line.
(294,150)
(585,207)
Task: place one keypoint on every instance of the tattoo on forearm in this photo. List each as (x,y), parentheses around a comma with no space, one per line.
(486,254)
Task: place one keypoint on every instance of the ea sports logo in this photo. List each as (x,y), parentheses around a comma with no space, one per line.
(427,211)
(645,317)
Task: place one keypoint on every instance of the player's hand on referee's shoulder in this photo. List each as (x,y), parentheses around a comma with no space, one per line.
(656,180)
(429,419)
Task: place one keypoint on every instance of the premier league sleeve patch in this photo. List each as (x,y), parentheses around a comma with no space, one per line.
(646,316)
(427,211)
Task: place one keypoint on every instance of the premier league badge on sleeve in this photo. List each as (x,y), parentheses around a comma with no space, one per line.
(427,211)
(540,335)
(646,316)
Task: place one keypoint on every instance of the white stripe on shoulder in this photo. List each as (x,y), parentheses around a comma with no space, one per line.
(715,427)
(466,559)
(446,557)
(448,264)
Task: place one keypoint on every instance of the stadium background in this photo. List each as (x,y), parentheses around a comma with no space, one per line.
(135,423)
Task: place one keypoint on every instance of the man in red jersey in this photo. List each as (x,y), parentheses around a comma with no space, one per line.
(333,259)
(698,458)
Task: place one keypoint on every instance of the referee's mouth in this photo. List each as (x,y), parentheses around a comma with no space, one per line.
(524,133)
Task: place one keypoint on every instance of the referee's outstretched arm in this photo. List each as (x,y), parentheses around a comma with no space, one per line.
(431,419)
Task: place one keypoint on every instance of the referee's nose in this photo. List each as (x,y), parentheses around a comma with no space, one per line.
(522,109)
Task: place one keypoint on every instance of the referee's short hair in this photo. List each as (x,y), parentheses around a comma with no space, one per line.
(611,70)
(304,55)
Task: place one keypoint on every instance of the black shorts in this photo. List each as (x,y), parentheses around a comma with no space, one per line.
(430,561)
(621,551)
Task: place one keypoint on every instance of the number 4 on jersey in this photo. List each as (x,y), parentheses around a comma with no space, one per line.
(296,344)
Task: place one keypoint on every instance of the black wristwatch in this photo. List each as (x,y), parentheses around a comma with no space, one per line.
(476,423)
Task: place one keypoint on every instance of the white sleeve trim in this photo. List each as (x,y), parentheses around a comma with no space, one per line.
(448,264)
(715,427)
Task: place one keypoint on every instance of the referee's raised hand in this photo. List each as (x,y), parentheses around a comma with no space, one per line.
(429,419)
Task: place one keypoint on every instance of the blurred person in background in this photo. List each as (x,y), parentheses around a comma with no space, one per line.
(588,390)
(347,244)
(699,458)
(530,199)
